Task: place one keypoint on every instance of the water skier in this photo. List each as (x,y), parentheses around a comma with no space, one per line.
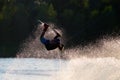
(51,44)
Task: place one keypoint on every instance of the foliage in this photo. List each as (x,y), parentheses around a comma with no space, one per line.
(84,20)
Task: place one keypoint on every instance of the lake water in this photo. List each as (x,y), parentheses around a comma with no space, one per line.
(29,68)
(56,69)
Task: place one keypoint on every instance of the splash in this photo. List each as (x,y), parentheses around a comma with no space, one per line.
(107,47)
(32,47)
(92,62)
(90,69)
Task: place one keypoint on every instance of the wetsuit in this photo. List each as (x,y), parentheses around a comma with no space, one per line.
(50,44)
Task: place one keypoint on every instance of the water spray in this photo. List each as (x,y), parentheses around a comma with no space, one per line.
(32,47)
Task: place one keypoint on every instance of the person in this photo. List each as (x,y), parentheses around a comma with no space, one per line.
(51,44)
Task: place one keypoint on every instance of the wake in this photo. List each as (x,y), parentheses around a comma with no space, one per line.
(91,69)
(92,62)
(107,47)
(32,47)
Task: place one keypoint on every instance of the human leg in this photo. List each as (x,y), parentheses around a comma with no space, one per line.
(43,40)
(44,30)
(57,34)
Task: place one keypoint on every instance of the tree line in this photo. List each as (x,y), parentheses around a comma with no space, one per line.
(83,20)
